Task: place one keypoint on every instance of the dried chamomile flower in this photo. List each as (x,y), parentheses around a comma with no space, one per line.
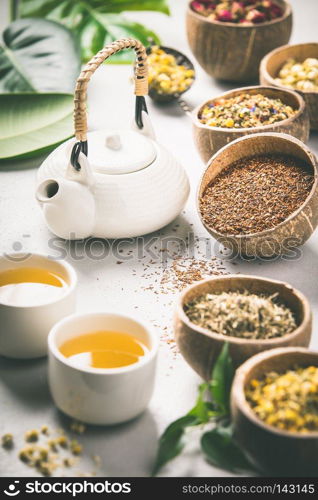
(166,76)
(26,454)
(45,430)
(31,436)
(7,441)
(78,427)
(299,75)
(287,401)
(75,447)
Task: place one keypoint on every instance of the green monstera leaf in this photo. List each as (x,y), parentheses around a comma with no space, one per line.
(96,22)
(32,124)
(37,55)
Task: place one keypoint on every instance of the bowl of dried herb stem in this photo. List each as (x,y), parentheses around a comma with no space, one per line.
(274,407)
(250,313)
(258,196)
(248,110)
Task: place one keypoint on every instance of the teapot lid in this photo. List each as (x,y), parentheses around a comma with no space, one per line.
(119,151)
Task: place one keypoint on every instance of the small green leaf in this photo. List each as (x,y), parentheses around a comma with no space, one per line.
(222,378)
(31,124)
(221,450)
(200,410)
(171,442)
(204,410)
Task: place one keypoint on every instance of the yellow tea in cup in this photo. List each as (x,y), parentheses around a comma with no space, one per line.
(103,349)
(30,286)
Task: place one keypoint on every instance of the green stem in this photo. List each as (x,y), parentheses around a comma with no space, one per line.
(13,10)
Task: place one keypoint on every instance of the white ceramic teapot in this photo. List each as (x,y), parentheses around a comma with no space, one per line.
(111,183)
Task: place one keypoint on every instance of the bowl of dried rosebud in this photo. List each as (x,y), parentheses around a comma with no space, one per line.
(245,111)
(229,38)
(258,196)
(274,408)
(295,67)
(249,313)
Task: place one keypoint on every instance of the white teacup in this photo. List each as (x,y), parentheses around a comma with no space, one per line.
(24,329)
(101,396)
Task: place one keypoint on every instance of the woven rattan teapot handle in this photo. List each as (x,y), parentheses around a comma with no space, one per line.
(141,89)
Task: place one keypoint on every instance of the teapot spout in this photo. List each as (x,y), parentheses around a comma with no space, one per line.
(68,207)
(47,190)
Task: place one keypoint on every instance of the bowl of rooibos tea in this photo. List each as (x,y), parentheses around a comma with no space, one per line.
(35,293)
(258,196)
(249,313)
(274,410)
(230,38)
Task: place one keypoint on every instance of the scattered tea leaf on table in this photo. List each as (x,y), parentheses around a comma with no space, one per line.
(37,55)
(31,124)
(222,377)
(96,22)
(221,450)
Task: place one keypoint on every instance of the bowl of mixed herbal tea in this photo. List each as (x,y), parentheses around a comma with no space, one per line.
(249,313)
(258,196)
(248,110)
(274,407)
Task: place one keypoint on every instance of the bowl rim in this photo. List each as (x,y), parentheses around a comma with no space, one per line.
(301,109)
(287,13)
(238,340)
(238,393)
(264,64)
(265,232)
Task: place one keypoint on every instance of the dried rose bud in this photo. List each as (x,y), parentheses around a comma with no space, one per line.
(198,6)
(255,16)
(225,16)
(237,8)
(275,11)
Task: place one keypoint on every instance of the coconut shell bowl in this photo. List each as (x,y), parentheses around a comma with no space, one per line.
(295,230)
(274,451)
(209,140)
(273,62)
(200,347)
(233,52)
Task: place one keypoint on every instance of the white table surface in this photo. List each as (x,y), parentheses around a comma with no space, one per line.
(129,450)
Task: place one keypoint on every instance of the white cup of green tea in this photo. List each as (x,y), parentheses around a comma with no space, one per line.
(102,367)
(35,293)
